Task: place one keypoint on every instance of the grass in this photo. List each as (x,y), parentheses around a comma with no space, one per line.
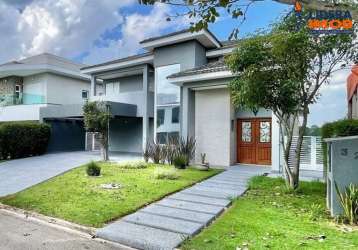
(271,217)
(76,197)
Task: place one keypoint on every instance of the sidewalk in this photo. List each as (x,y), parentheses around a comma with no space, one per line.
(167,223)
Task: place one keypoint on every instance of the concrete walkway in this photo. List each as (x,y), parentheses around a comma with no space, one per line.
(167,223)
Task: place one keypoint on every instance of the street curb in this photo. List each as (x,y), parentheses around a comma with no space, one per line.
(86,232)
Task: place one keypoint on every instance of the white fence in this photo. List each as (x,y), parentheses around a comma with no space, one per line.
(311,153)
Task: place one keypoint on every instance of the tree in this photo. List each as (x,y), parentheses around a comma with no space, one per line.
(96,119)
(283,70)
(204,12)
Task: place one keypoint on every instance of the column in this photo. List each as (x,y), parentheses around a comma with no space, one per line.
(145,106)
(185,113)
(93,86)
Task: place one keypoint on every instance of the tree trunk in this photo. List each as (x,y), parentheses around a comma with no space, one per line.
(294,182)
(104,146)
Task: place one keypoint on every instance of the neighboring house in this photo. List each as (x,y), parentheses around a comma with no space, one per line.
(179,87)
(46,88)
(352,93)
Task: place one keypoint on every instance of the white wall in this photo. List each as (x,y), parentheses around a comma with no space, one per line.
(65,90)
(20,112)
(212,126)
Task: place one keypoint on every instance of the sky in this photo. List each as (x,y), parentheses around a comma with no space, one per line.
(95,31)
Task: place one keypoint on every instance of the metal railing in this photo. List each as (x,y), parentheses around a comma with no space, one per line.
(311,153)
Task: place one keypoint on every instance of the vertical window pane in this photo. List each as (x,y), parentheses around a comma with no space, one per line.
(167,102)
(160,117)
(246,133)
(265,132)
(162,138)
(175,115)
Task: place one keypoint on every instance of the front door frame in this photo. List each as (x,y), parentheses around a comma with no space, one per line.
(253,147)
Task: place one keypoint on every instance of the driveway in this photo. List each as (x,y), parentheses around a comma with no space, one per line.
(20,233)
(17,175)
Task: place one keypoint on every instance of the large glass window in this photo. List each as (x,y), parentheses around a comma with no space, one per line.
(167,103)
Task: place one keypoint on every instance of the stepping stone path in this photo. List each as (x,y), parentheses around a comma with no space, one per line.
(167,223)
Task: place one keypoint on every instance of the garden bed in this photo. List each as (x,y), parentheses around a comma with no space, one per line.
(78,198)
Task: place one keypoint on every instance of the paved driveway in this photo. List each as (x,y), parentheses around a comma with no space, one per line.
(20,174)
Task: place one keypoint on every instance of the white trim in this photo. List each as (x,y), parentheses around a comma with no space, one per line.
(118,65)
(219,52)
(201,36)
(221,86)
(201,77)
(343,138)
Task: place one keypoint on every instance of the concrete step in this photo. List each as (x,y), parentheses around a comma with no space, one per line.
(141,237)
(164,223)
(200,199)
(176,213)
(196,207)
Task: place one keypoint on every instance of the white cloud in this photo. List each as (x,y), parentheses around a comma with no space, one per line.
(136,27)
(64,27)
(332,104)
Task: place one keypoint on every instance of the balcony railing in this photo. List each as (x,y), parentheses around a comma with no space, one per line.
(20,99)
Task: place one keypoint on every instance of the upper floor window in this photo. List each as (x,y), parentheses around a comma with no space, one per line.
(160,117)
(84,94)
(166,93)
(175,115)
(113,88)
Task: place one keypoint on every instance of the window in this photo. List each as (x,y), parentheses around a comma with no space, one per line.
(160,117)
(246,133)
(112,88)
(167,98)
(175,115)
(17,91)
(265,132)
(84,94)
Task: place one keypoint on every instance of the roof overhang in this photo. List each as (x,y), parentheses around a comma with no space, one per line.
(219,52)
(32,69)
(204,37)
(200,77)
(118,65)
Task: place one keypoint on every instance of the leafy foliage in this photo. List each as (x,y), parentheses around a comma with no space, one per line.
(337,129)
(93,169)
(180,161)
(166,174)
(96,119)
(23,139)
(349,202)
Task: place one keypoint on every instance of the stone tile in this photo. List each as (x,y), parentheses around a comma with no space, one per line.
(176,213)
(191,206)
(200,199)
(219,186)
(206,193)
(141,237)
(164,223)
(228,193)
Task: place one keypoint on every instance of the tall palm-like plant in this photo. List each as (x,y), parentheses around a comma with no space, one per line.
(349,202)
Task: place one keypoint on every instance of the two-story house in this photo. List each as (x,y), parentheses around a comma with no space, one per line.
(352,93)
(179,87)
(46,88)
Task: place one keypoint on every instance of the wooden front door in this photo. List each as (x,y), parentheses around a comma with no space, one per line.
(254,141)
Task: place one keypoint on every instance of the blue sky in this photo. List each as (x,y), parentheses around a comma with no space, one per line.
(95,31)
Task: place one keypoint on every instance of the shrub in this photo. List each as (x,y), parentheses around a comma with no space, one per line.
(155,152)
(186,148)
(336,129)
(93,169)
(180,161)
(133,165)
(349,202)
(166,174)
(23,139)
(146,153)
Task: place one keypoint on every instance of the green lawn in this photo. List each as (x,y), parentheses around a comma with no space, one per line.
(76,197)
(270,217)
